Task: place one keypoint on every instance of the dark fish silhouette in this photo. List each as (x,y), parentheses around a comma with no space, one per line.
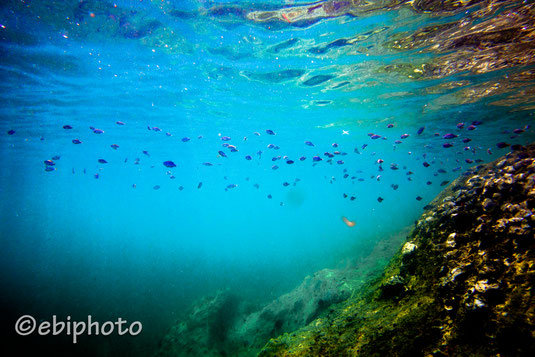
(309,143)
(449,136)
(98,131)
(102,161)
(421,130)
(444,183)
(404,136)
(418,198)
(76,141)
(199,185)
(502,145)
(447,145)
(119,123)
(248,157)
(185,139)
(114,146)
(270,132)
(222,153)
(169,164)
(156,187)
(380,199)
(67,127)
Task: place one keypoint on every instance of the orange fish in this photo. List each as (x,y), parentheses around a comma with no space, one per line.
(348,222)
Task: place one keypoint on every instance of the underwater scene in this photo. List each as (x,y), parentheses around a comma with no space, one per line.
(272,178)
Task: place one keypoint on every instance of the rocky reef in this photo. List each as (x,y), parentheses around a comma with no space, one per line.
(459,286)
(225,325)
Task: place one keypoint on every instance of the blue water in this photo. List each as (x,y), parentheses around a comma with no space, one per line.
(73,244)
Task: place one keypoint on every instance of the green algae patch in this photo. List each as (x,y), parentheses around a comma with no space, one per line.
(460,284)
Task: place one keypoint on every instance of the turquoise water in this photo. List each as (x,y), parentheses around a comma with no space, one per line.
(112,245)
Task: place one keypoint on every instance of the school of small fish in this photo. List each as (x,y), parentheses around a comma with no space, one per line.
(314,157)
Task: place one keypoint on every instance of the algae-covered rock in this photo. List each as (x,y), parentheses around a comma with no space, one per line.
(460,286)
(223,325)
(204,331)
